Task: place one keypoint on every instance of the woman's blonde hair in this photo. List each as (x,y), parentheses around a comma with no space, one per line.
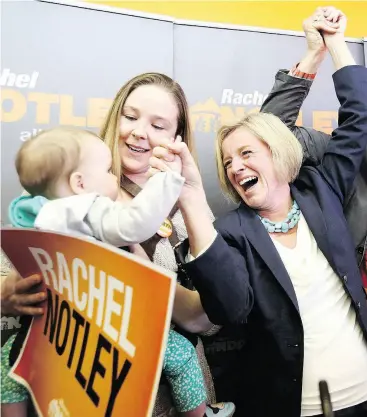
(110,131)
(285,149)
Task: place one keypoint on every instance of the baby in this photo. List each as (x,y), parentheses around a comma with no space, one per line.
(67,173)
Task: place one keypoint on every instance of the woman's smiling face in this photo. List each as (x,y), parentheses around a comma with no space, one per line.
(149,114)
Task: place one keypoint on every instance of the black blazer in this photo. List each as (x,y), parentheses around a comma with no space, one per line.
(241,276)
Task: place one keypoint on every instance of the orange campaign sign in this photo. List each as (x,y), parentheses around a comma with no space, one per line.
(98,349)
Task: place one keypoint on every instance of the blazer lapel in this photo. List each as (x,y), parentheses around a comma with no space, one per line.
(259,238)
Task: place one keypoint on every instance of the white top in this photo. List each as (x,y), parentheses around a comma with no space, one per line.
(334,349)
(119,224)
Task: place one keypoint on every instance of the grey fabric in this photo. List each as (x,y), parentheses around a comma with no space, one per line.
(285,101)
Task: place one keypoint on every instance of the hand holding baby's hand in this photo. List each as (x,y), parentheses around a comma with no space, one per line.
(176,156)
(165,160)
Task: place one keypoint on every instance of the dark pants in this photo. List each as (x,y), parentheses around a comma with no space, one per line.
(359,410)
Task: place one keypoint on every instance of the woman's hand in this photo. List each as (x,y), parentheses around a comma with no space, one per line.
(323,21)
(324,31)
(192,201)
(164,160)
(21,296)
(177,157)
(335,42)
(334,15)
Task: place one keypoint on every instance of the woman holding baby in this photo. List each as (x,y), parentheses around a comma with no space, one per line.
(147,110)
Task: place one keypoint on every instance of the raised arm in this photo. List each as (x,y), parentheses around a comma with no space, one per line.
(221,278)
(344,153)
(225,292)
(291,88)
(285,101)
(135,222)
(114,222)
(286,98)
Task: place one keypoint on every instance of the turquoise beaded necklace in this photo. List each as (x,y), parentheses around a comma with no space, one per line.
(287,224)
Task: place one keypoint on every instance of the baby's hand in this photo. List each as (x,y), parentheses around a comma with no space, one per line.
(165,160)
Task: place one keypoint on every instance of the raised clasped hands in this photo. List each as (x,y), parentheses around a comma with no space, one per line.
(175,156)
(325,23)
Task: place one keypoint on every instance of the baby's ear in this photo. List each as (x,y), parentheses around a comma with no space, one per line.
(76,183)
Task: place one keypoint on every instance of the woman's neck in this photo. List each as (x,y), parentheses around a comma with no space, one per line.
(280,208)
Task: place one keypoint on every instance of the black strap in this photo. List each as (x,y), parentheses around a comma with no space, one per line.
(149,245)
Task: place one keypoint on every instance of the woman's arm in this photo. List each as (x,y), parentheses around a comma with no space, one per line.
(188,312)
(196,212)
(339,51)
(289,92)
(345,151)
(285,101)
(221,277)
(219,271)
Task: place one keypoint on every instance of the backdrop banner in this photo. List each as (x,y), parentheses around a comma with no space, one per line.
(68,67)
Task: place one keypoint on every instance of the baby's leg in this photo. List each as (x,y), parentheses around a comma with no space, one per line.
(182,370)
(13,395)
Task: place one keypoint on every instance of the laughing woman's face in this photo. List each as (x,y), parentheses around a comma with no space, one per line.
(250,168)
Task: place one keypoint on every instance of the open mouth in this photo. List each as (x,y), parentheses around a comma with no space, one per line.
(248,183)
(137,149)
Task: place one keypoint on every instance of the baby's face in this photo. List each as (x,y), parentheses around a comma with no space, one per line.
(96,168)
